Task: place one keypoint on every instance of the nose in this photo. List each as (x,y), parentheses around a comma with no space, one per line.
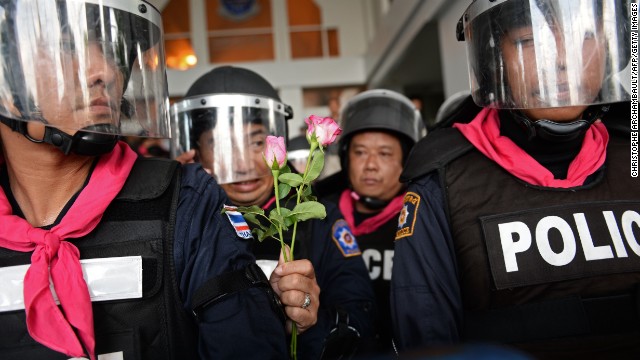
(371,163)
(101,71)
(561,58)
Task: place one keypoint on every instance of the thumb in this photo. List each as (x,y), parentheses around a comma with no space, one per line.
(286,249)
(281,261)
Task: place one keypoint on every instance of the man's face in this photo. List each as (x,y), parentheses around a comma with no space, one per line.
(375,164)
(535,58)
(239,162)
(88,90)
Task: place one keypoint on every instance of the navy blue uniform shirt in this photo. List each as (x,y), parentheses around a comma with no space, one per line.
(243,325)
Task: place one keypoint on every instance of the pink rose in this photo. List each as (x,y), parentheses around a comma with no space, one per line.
(275,154)
(326,129)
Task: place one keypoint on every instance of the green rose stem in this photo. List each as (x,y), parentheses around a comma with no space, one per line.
(300,189)
(294,329)
(275,185)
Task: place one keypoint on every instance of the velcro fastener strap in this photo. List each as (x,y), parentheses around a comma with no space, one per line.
(215,289)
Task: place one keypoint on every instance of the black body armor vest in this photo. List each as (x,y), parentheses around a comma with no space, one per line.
(139,222)
(552,271)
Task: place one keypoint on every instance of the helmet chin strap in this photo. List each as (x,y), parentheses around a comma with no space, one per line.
(86,141)
(554,131)
(369,201)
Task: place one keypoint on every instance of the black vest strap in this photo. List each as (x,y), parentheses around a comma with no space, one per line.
(215,289)
(433,152)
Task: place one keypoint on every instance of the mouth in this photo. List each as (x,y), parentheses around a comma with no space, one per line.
(102,106)
(563,92)
(245,186)
(559,95)
(369,181)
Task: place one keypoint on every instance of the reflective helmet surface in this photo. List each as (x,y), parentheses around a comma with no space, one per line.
(226,117)
(93,65)
(380,109)
(526,54)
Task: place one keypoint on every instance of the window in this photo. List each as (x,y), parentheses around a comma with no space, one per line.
(178,48)
(309,38)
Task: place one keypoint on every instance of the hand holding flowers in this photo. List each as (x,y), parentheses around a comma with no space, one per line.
(320,133)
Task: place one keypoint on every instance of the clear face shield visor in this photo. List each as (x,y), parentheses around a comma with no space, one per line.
(96,66)
(526,54)
(228,132)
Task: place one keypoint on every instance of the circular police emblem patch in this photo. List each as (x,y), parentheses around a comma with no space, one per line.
(344,239)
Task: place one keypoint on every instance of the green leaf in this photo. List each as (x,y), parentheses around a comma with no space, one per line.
(309,210)
(292,179)
(317,163)
(253,209)
(283,190)
(277,219)
(259,233)
(286,215)
(308,198)
(252,218)
(272,232)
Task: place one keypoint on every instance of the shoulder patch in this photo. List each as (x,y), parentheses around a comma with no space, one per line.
(407,217)
(344,239)
(237,221)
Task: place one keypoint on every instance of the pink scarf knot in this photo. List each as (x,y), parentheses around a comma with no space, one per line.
(53,257)
(346,205)
(484,133)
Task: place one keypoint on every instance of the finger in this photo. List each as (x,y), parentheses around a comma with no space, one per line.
(282,260)
(294,298)
(303,267)
(304,318)
(297,282)
(186,157)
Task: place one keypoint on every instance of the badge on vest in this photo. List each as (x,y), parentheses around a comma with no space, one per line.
(344,239)
(407,217)
(237,221)
(562,243)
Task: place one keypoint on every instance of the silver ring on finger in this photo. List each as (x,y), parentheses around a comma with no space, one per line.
(307,301)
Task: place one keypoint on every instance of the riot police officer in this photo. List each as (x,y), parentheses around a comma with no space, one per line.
(125,246)
(521,224)
(380,128)
(226,116)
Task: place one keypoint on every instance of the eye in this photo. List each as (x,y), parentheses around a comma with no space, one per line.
(358,152)
(523,41)
(257,143)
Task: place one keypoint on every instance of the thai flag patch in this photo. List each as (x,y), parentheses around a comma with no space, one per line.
(237,221)
(344,239)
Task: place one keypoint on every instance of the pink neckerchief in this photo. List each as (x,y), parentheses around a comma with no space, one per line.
(269,203)
(373,223)
(484,133)
(52,256)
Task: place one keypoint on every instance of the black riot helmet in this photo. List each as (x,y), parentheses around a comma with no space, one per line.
(380,110)
(77,74)
(226,115)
